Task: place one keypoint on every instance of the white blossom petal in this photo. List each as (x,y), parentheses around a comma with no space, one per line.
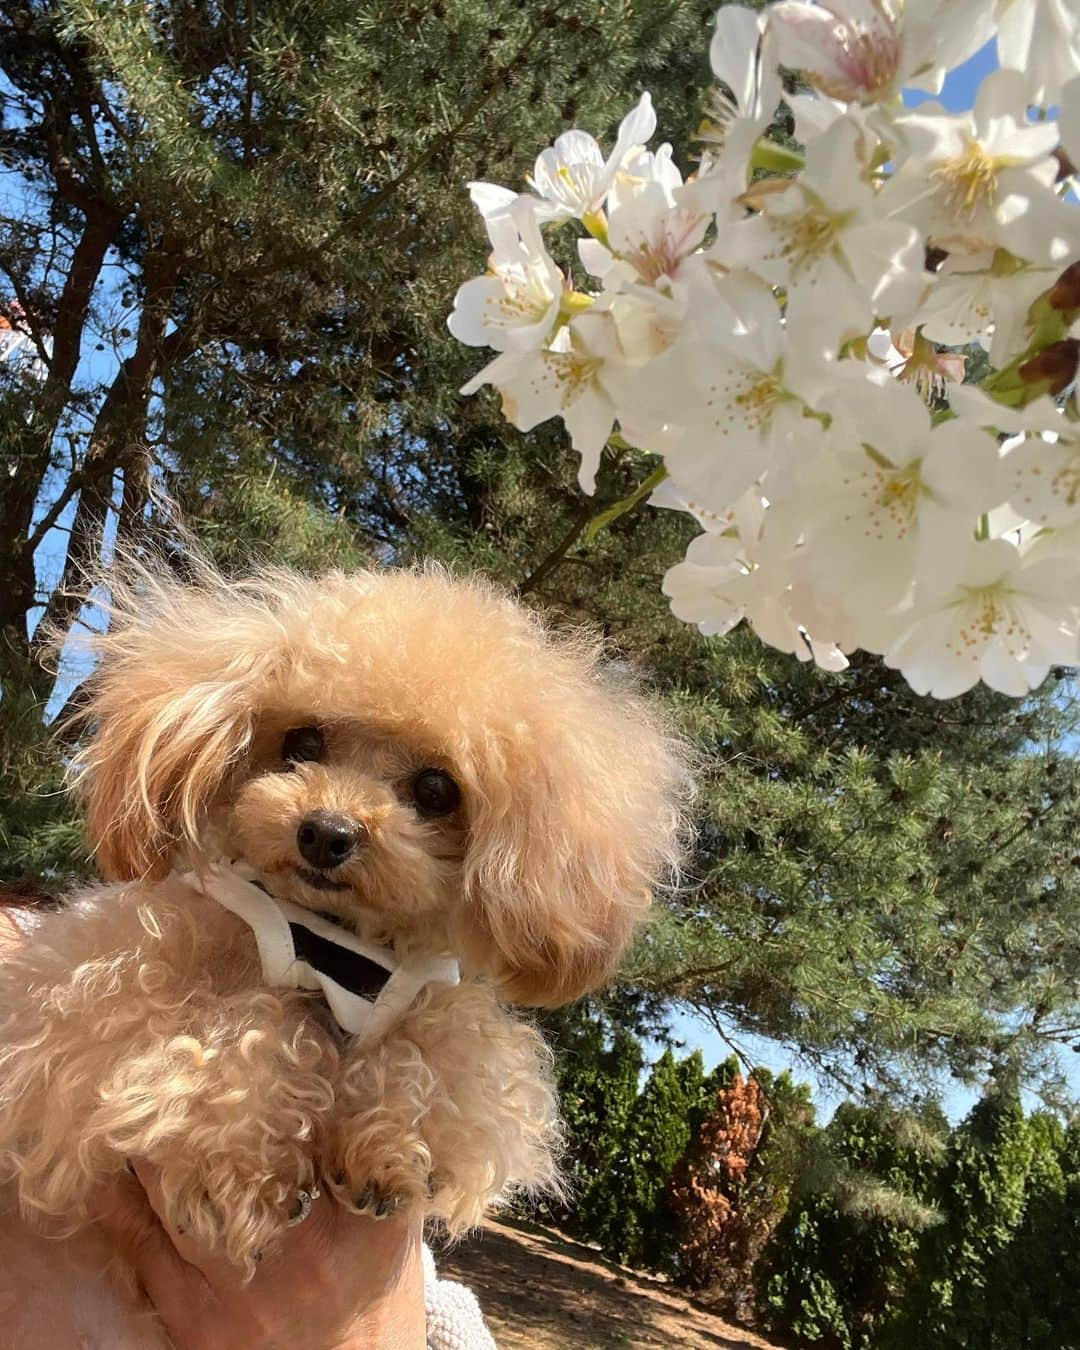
(1041,40)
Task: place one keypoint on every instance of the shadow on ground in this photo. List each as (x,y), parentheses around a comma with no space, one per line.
(542,1291)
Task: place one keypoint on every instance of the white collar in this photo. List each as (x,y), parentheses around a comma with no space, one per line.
(366,986)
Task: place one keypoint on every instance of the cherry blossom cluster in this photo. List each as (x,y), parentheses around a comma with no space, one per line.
(781,329)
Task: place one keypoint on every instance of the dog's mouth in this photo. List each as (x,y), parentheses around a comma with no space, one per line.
(319,881)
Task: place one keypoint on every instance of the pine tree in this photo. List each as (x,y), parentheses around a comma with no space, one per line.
(880,882)
(598,1086)
(847,1252)
(259,215)
(639,1224)
(236,238)
(999,1163)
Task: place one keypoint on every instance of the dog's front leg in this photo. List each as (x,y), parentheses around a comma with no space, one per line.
(453,1107)
(119,1039)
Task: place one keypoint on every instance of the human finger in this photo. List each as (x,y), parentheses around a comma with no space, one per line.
(315,1235)
(125,1215)
(212,1264)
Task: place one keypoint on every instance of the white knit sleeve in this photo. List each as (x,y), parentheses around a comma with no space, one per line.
(454,1320)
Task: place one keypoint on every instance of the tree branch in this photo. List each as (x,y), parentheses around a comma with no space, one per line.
(17,502)
(67,722)
(88,258)
(118,429)
(72,188)
(544,569)
(77,480)
(36,332)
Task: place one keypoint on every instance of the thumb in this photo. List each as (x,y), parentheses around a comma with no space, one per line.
(126,1217)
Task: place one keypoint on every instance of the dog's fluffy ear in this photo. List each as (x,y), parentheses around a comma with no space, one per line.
(576,816)
(170,709)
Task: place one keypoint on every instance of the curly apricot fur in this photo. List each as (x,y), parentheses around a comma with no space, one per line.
(135,1023)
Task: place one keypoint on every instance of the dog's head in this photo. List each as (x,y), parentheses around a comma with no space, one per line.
(413,754)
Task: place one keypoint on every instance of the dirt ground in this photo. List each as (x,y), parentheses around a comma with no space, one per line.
(541,1291)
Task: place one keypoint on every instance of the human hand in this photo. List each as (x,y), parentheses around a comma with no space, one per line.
(338,1282)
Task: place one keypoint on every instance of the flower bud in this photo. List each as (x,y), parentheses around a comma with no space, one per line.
(1054,369)
(1065,292)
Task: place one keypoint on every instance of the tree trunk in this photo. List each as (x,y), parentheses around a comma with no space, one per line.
(117,444)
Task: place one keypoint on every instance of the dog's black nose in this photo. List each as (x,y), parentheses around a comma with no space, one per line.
(325,839)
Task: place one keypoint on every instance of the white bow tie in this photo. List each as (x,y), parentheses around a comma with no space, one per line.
(365,986)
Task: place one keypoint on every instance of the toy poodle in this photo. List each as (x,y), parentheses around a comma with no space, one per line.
(344,823)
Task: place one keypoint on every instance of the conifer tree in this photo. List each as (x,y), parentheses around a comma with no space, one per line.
(234,239)
(999,1164)
(918,1235)
(259,217)
(637,1227)
(847,1251)
(1031,1280)
(598,1086)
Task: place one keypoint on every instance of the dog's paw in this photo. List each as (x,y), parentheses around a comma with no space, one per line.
(377,1203)
(378,1195)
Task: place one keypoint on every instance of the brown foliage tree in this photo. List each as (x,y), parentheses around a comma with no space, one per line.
(725,1206)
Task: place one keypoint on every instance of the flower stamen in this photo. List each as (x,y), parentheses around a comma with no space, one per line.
(970,180)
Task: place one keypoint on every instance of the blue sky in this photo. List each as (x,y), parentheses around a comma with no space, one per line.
(693,1033)
(961,83)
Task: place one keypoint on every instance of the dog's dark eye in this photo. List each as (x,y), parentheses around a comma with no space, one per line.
(302,743)
(435,793)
